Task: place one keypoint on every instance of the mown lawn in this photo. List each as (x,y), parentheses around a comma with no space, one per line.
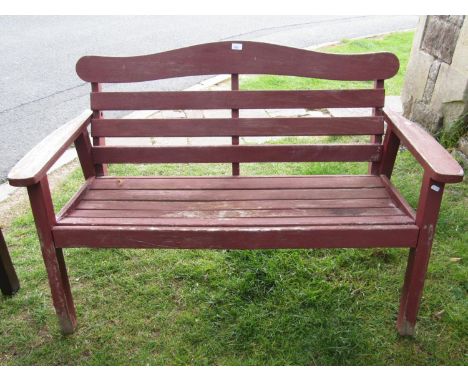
(266,307)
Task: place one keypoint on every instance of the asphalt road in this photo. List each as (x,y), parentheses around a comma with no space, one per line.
(39,87)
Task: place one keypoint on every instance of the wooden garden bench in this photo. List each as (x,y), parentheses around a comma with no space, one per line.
(9,283)
(241,212)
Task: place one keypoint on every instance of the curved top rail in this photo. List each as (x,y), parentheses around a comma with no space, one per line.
(241,57)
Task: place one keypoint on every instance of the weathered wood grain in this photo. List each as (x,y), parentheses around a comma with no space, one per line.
(44,217)
(376,138)
(418,261)
(9,283)
(253,58)
(100,169)
(168,205)
(234,213)
(441,166)
(200,195)
(34,165)
(242,99)
(238,183)
(243,154)
(83,149)
(237,238)
(397,198)
(235,115)
(247,127)
(237,222)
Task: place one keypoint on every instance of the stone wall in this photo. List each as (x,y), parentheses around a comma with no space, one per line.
(435,93)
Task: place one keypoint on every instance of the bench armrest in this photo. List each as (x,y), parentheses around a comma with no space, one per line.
(431,154)
(35,164)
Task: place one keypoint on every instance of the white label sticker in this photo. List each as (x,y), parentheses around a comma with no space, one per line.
(236,46)
(435,188)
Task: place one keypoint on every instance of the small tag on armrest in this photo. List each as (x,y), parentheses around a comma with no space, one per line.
(435,188)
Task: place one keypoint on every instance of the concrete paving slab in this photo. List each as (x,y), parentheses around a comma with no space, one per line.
(139,141)
(253,113)
(278,113)
(394,103)
(204,141)
(173,114)
(258,140)
(171,141)
(217,113)
(194,114)
(139,114)
(345,112)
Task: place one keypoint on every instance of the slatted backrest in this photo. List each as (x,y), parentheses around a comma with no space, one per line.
(237,58)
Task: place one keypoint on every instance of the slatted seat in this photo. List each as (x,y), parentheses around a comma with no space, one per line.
(360,211)
(238,203)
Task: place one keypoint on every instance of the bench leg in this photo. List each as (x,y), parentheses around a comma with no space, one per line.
(41,204)
(418,260)
(9,283)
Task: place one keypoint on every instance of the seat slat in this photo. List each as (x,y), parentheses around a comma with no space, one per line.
(236,183)
(201,195)
(221,127)
(225,222)
(232,204)
(253,58)
(242,99)
(210,214)
(363,236)
(229,154)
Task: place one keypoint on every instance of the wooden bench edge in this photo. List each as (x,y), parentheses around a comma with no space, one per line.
(430,153)
(35,164)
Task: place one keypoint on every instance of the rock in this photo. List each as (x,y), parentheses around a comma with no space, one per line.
(435,92)
(440,37)
(463,145)
(426,117)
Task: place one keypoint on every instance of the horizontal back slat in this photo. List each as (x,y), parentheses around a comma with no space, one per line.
(221,127)
(245,57)
(310,99)
(229,154)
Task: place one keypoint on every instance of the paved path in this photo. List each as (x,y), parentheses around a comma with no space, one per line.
(40,89)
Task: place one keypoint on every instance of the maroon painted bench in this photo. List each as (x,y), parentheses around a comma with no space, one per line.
(364,211)
(9,283)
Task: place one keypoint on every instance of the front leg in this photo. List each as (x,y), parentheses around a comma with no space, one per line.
(418,260)
(44,216)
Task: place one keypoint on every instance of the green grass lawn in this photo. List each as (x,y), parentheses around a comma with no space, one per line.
(398,43)
(267,307)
